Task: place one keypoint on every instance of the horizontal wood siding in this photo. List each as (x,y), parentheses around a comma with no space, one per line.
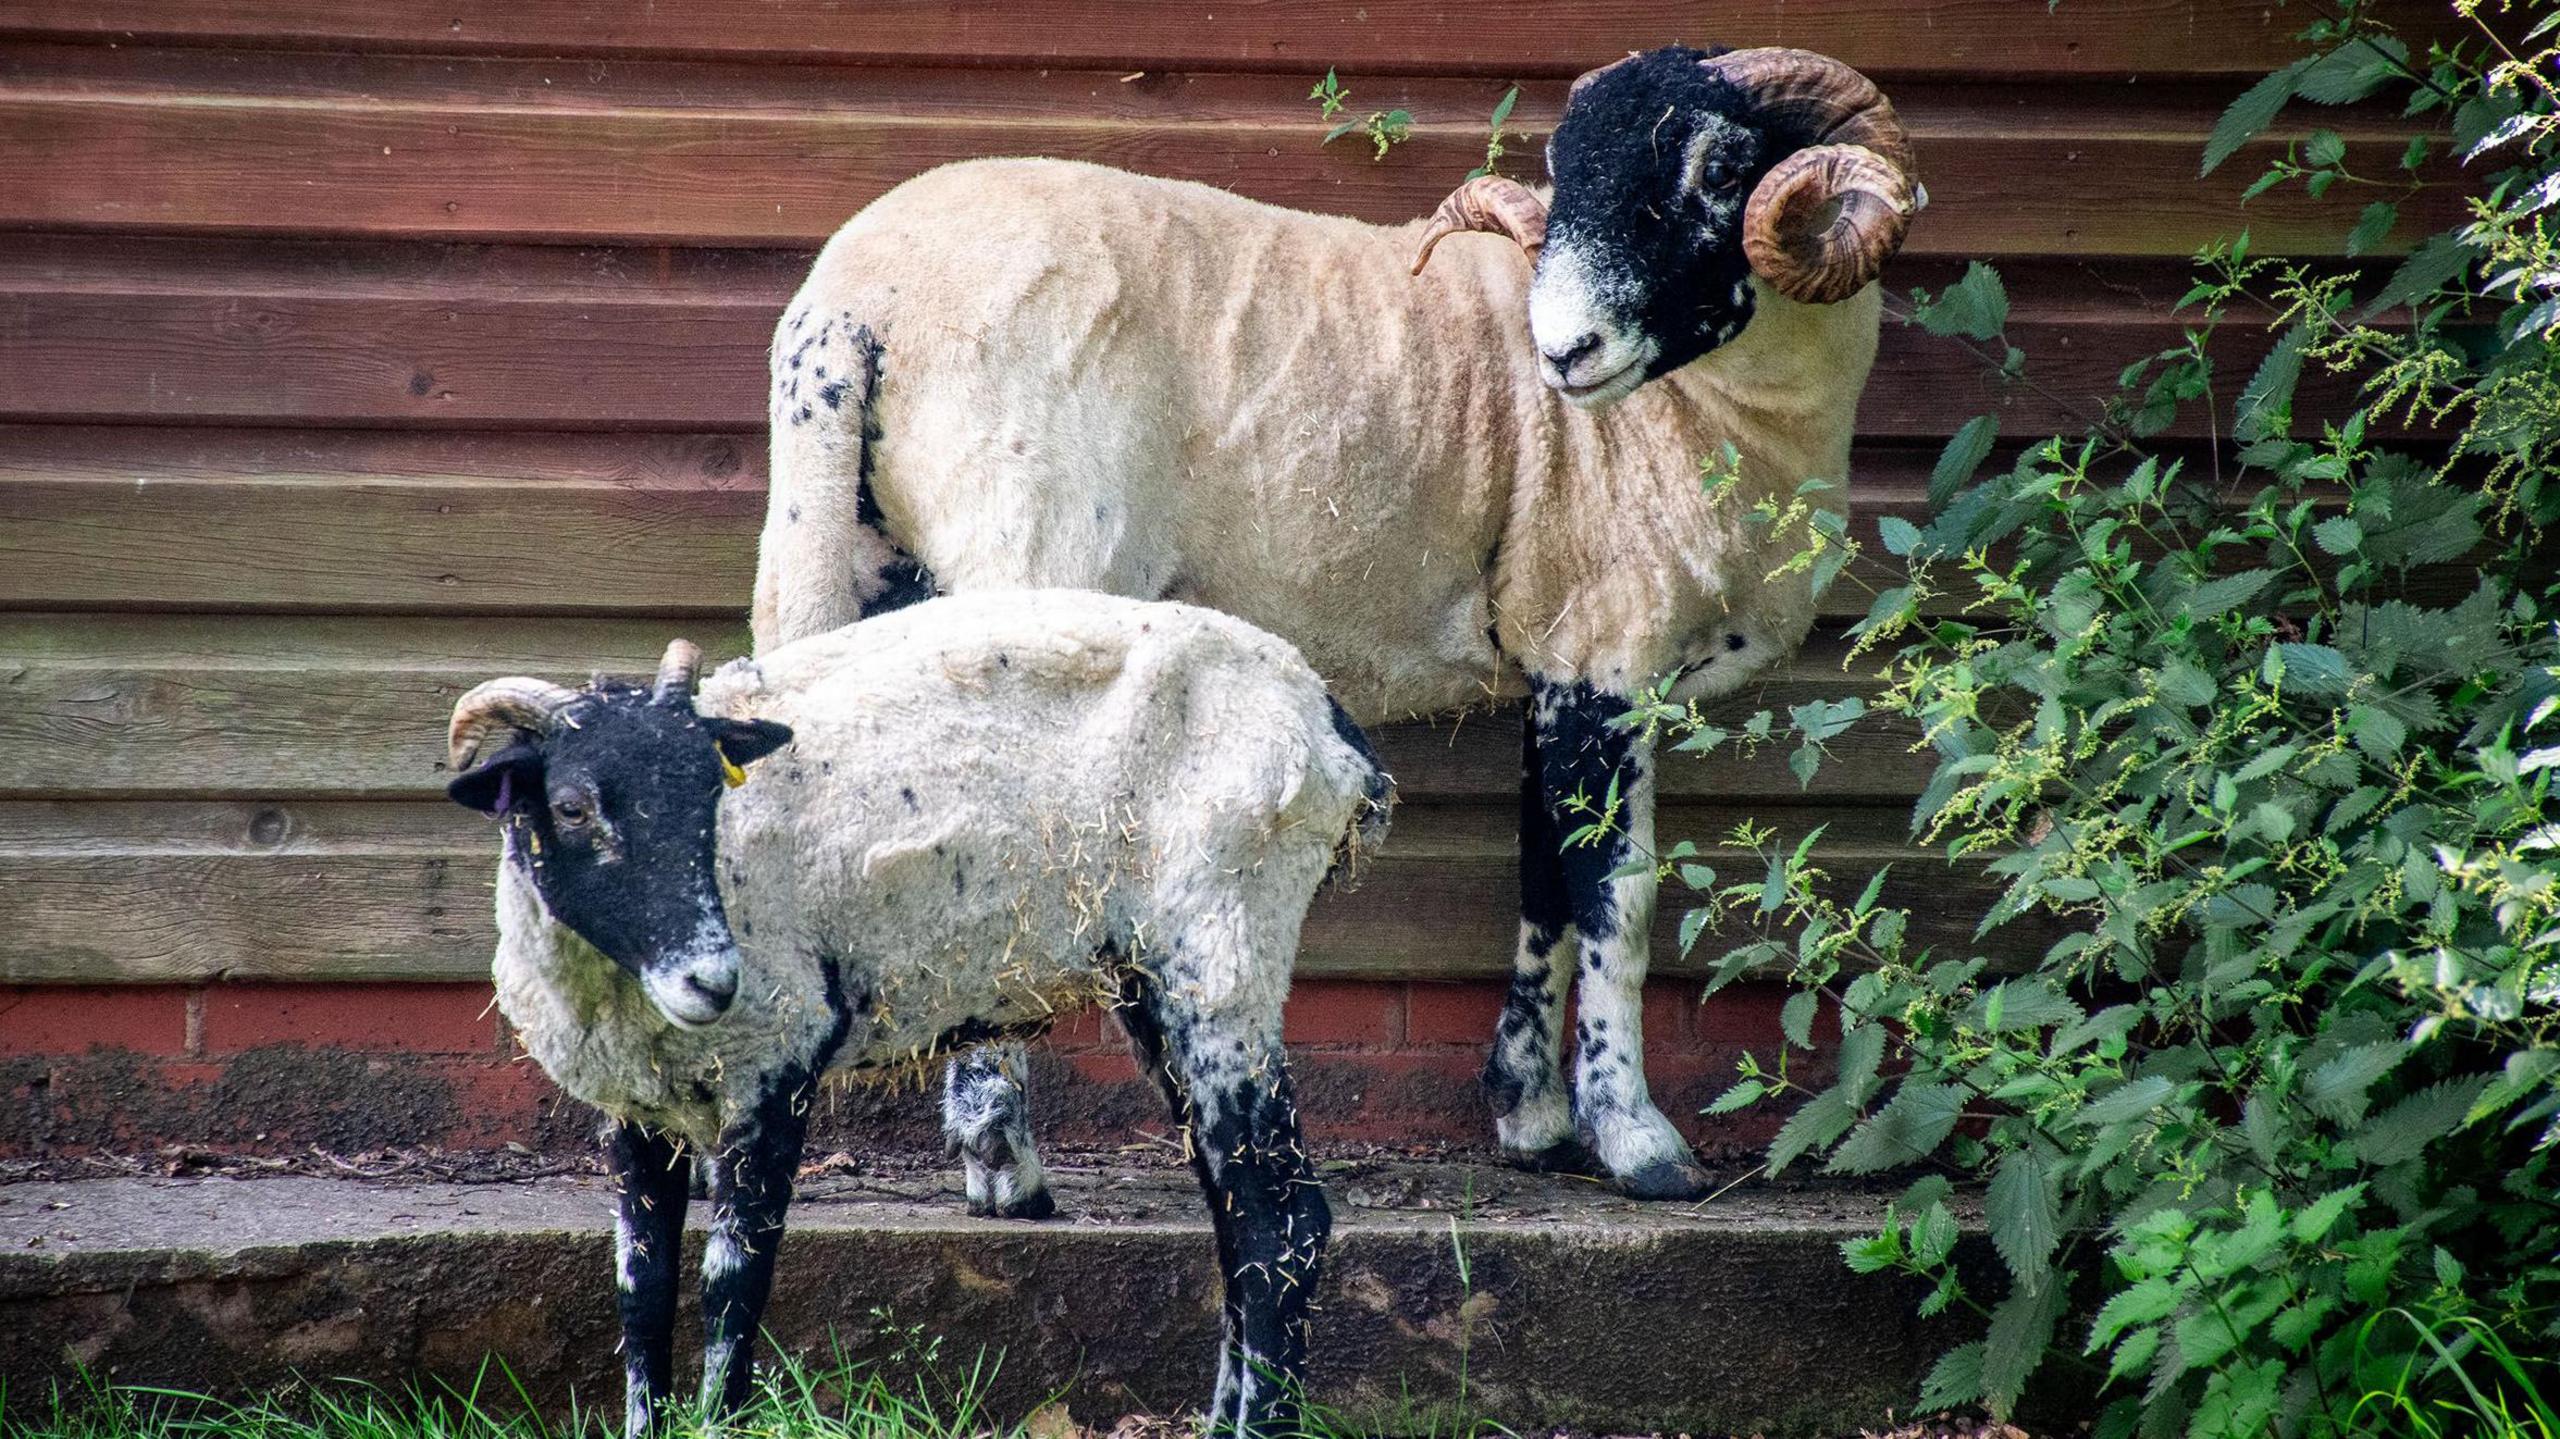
(350,354)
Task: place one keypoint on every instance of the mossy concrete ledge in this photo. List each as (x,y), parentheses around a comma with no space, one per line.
(1579,1309)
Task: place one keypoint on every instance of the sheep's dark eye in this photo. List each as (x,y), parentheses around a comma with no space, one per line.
(569,811)
(1717,175)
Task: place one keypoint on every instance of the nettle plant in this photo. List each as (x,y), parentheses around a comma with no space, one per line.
(2254,1076)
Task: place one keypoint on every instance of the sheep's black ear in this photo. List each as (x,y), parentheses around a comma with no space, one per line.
(743,742)
(511,776)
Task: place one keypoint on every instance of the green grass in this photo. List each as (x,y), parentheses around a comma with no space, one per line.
(2449,1377)
(824,1398)
(914,1394)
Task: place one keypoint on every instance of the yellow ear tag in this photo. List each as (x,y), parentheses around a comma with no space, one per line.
(730,773)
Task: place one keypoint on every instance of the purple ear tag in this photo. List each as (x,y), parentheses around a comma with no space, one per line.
(506,791)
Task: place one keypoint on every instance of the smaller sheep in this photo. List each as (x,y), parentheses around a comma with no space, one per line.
(971,817)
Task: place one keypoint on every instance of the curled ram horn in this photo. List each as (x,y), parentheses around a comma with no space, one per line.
(675,673)
(1492,203)
(513,703)
(1822,222)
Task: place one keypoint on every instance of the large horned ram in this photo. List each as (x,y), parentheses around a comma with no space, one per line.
(1033,372)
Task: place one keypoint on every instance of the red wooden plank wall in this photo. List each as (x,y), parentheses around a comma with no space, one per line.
(352,353)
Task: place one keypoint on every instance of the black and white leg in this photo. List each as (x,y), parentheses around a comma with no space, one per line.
(751,1179)
(1524,1075)
(1228,1085)
(1580,754)
(651,1174)
(986,1121)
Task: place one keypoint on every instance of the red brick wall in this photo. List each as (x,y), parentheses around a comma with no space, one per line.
(272,1068)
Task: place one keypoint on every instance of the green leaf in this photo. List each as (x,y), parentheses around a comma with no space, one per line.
(2025,1217)
(2025,1004)
(1933,1236)
(2217,597)
(2021,1333)
(1739,1097)
(2314,669)
(2338,535)
(1816,1123)
(1976,306)
(1873,1253)
(2324,148)
(1899,535)
(2134,1354)
(2372,227)
(2138,1303)
(1795,1017)
(2353,71)
(2250,115)
(2314,1221)
(2206,1335)
(1860,1057)
(1955,1380)
(1909,1128)
(2442,260)
(1964,453)
(2406,1129)
(2185,684)
(1694,924)
(2337,1088)
(2266,402)
(2125,1101)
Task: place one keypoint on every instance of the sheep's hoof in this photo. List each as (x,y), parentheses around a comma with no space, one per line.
(1664,1179)
(1565,1156)
(1038,1204)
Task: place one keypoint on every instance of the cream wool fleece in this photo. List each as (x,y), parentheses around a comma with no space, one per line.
(984,797)
(1154,387)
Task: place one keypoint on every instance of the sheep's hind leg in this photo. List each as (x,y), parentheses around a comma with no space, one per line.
(651,1175)
(1524,1075)
(986,1121)
(751,1178)
(1582,758)
(1229,1088)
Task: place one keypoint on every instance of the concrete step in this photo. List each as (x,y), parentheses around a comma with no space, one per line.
(1581,1310)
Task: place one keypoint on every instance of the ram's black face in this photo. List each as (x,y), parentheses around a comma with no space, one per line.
(1643,269)
(614,815)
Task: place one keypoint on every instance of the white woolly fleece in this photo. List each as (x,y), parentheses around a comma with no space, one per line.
(982,792)
(1154,387)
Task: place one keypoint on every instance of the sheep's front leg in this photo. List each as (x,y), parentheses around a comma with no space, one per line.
(1228,1086)
(986,1121)
(651,1175)
(751,1178)
(1582,761)
(1524,1076)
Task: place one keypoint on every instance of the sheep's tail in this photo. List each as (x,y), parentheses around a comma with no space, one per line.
(1377,798)
(827,558)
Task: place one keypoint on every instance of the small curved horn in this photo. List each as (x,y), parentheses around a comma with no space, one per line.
(513,703)
(1491,203)
(1823,221)
(675,673)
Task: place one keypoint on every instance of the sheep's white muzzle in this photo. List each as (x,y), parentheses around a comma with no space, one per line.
(1585,353)
(694,989)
